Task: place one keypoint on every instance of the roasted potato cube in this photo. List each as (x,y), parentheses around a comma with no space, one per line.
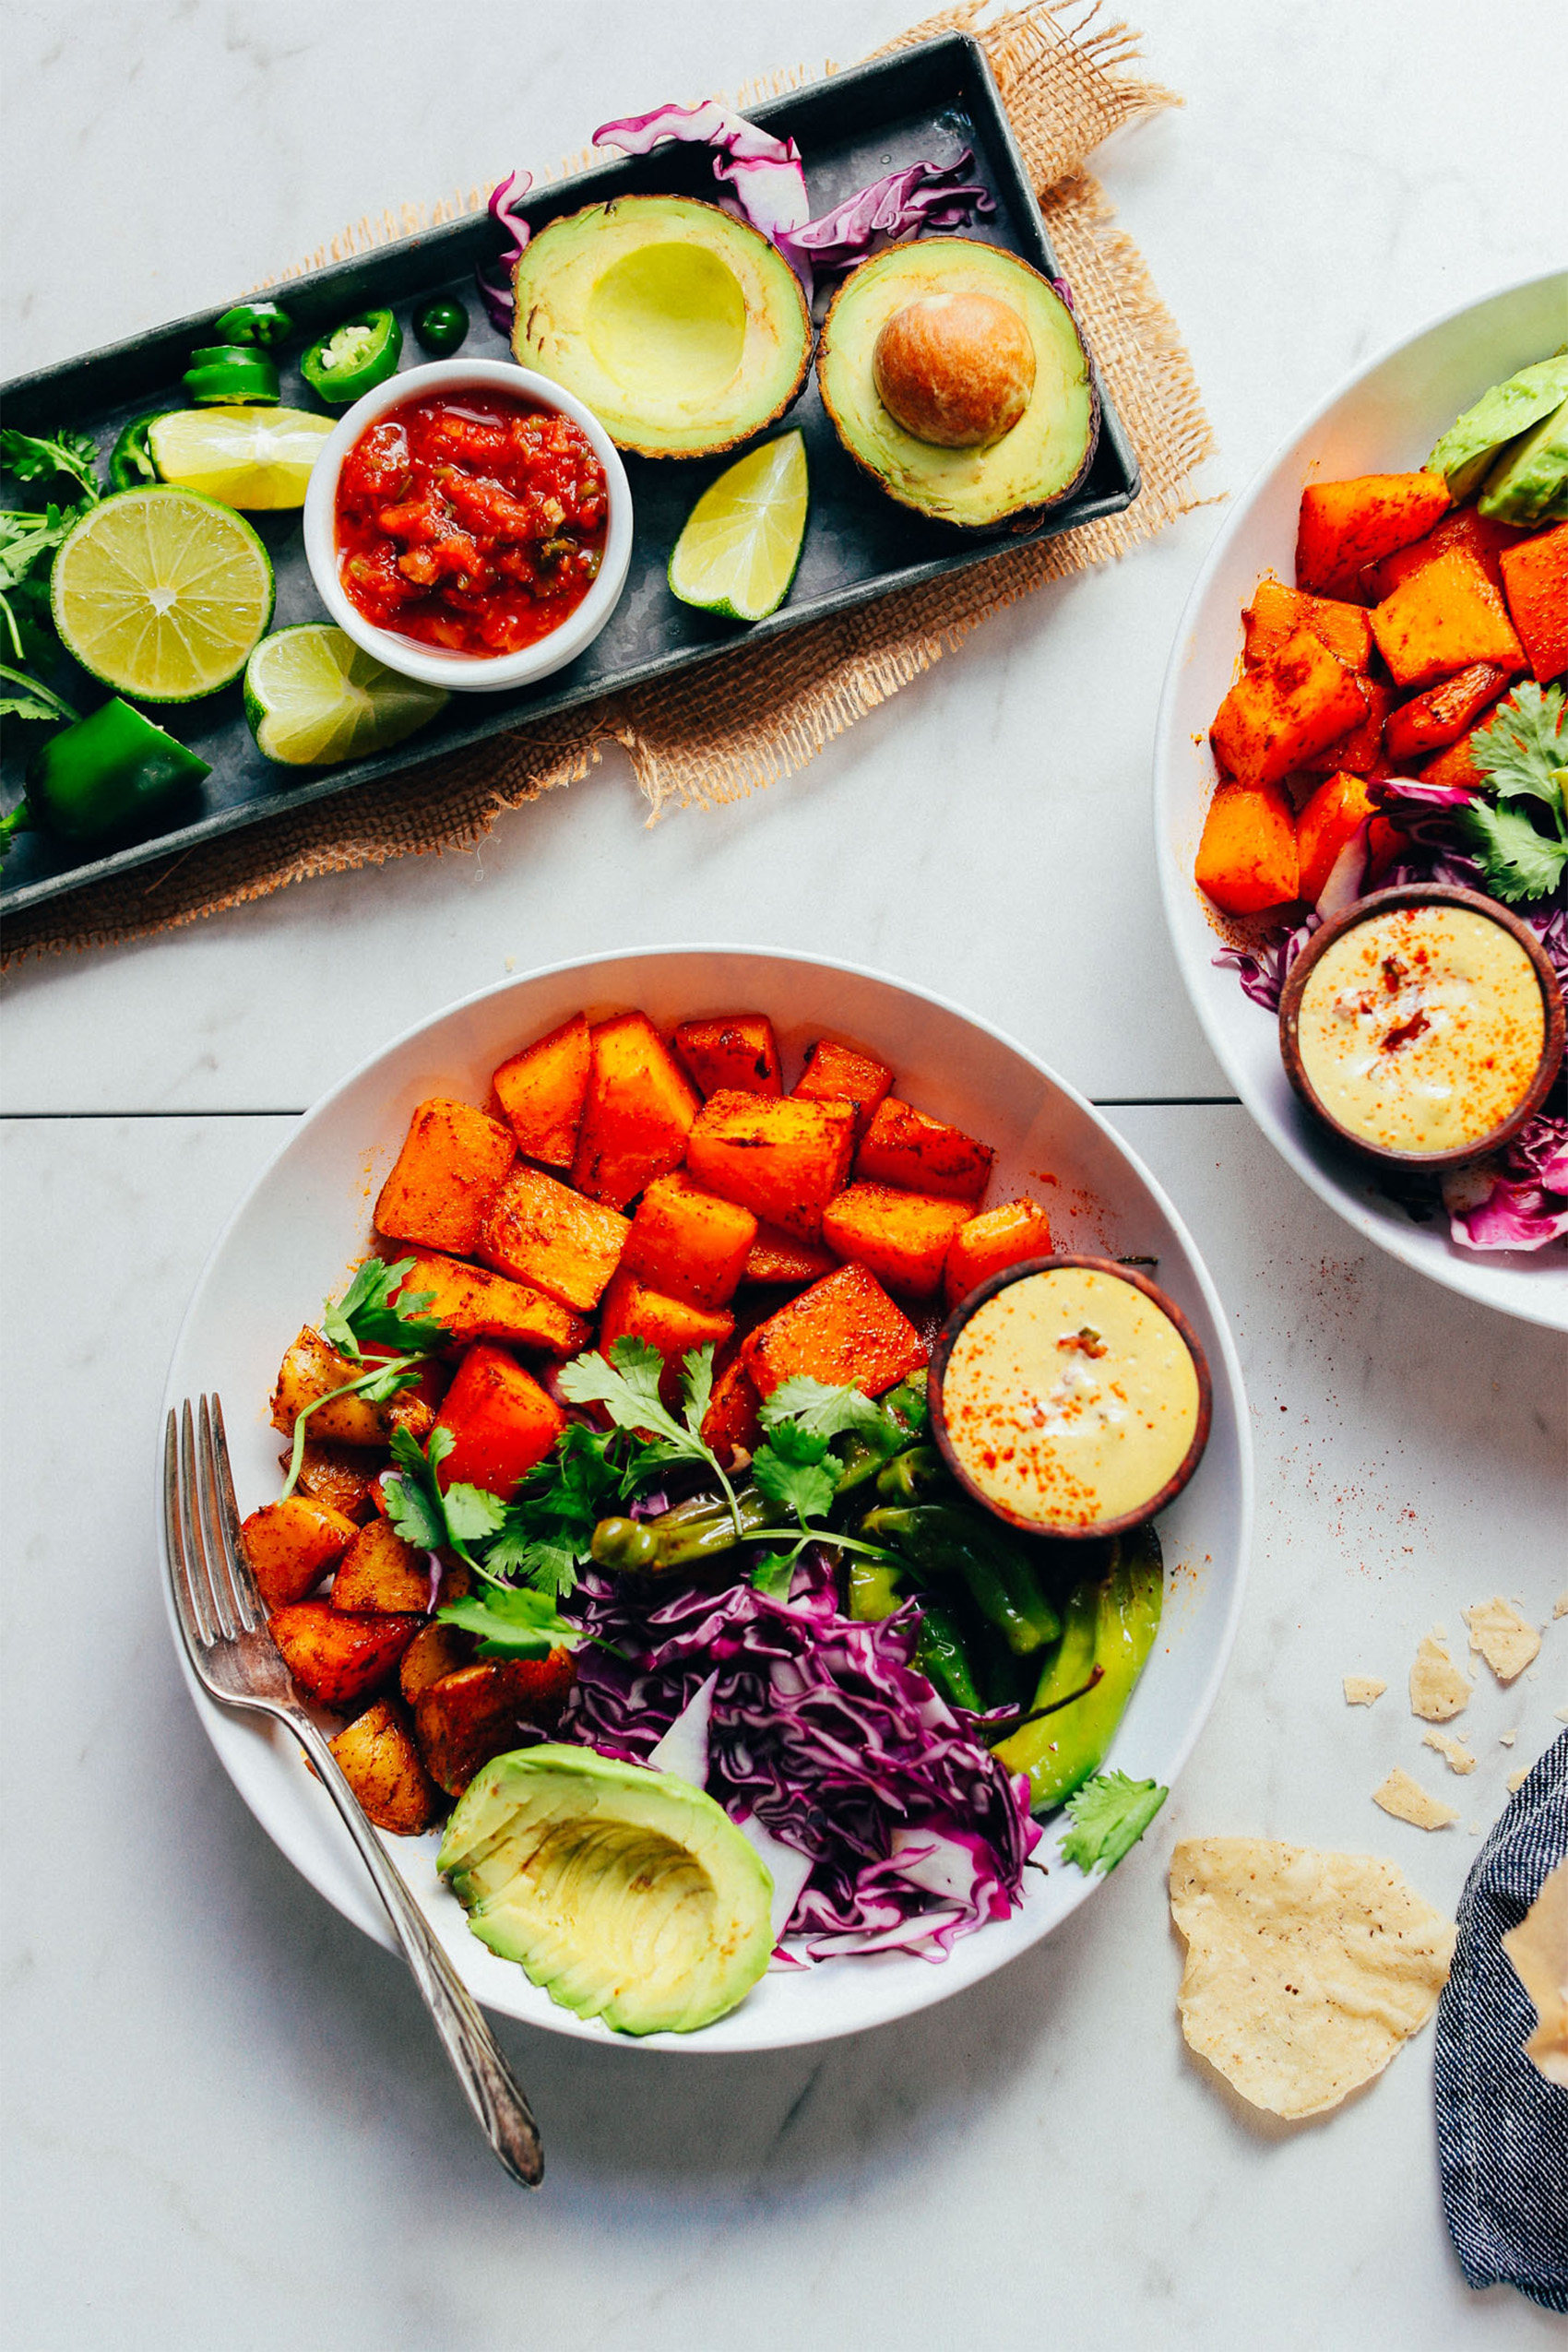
(343,1477)
(483,1709)
(381,1573)
(1247,859)
(435,1650)
(998,1238)
(783,1160)
(836,1072)
(539,1231)
(688,1244)
(474,1304)
(903,1147)
(640,1109)
(902,1238)
(1441,619)
(500,1421)
(1345,525)
(1277,715)
(382,1767)
(542,1091)
(445,1177)
(313,1369)
(737,1054)
(1277,613)
(291,1544)
(844,1331)
(337,1658)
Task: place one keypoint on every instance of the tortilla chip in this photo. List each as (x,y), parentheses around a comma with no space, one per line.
(1506,1738)
(1407,1800)
(1437,1688)
(1305,1970)
(1503,1638)
(1455,1753)
(1518,1780)
(1362,1690)
(1537,1952)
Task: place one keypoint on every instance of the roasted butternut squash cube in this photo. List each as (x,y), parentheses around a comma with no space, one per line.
(1277,613)
(1326,825)
(1455,766)
(542,1091)
(337,1658)
(1441,619)
(542,1233)
(382,1573)
(776,1256)
(902,1238)
(903,1147)
(312,1369)
(1344,526)
(998,1238)
(736,1053)
(445,1179)
(1462,527)
(1359,752)
(1247,860)
(483,1709)
(1277,715)
(383,1766)
(291,1544)
(782,1159)
(632,1310)
(1429,722)
(731,1425)
(1387,848)
(689,1243)
(343,1477)
(639,1111)
(474,1304)
(844,1331)
(500,1421)
(1535,580)
(836,1072)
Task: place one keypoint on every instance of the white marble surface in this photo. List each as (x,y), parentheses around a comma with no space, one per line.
(226,2121)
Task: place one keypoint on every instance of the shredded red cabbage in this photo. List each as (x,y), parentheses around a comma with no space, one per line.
(1518,1201)
(922,196)
(765,173)
(496,293)
(822,1729)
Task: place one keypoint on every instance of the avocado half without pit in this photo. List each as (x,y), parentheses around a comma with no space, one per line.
(956,376)
(682,327)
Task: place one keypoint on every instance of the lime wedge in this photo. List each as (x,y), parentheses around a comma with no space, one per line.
(312,698)
(738,552)
(253,457)
(162,593)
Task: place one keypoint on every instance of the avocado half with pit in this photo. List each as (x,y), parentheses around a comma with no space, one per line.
(683,328)
(956,376)
(624,1894)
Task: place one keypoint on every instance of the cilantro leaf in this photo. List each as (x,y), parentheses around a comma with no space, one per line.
(1517,862)
(1108,1814)
(549,1565)
(472,1512)
(792,1472)
(38,457)
(773,1574)
(511,1623)
(414,1503)
(367,1316)
(1523,750)
(627,1386)
(811,1404)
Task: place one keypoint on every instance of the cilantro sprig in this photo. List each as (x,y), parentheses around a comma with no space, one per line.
(432,1517)
(1108,1815)
(626,1384)
(365,1317)
(512,1621)
(29,537)
(1523,755)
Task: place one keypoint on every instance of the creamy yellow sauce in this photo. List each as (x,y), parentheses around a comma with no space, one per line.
(1070,1398)
(1422,1029)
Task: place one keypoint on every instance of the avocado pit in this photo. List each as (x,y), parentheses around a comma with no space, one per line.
(955,369)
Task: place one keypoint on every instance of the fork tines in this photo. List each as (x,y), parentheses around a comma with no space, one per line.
(213,1586)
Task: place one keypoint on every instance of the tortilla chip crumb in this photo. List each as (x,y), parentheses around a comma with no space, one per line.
(1504,1639)
(1560,1606)
(1363,1690)
(1518,1780)
(1538,1952)
(1506,1738)
(1407,1800)
(1305,1970)
(1455,1753)
(1438,1690)
(1563,1715)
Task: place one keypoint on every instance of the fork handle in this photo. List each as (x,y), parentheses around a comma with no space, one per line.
(488,2085)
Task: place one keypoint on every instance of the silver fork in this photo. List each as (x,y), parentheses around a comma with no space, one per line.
(238,1662)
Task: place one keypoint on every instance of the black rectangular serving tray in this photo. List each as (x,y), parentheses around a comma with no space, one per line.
(927,102)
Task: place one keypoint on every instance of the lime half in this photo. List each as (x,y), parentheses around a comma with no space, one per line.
(253,457)
(738,552)
(162,593)
(313,697)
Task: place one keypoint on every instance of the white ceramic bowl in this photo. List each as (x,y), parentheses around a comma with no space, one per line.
(307,1214)
(1384,420)
(468,673)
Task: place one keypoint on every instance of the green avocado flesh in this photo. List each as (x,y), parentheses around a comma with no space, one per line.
(1471,445)
(683,328)
(1529,482)
(624,1894)
(1045,455)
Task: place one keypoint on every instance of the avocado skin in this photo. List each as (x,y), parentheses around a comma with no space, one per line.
(1470,448)
(1529,483)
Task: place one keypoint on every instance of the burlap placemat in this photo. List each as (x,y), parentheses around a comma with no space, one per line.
(760,713)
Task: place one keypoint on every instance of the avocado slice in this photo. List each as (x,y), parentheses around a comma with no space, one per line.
(624,1894)
(1529,482)
(1032,463)
(683,328)
(1469,448)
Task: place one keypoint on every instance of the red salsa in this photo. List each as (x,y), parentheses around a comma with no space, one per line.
(470,521)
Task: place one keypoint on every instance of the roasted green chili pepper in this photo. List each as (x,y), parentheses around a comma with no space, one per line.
(1110,1623)
(262,323)
(230,371)
(947,1539)
(875,1591)
(912,1474)
(695,1530)
(441,328)
(130,460)
(341,367)
(105,778)
(943,1660)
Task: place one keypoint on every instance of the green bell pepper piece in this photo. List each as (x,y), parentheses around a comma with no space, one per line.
(1111,1623)
(441,328)
(230,371)
(262,323)
(105,778)
(341,367)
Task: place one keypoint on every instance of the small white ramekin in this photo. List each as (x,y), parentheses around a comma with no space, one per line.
(467,673)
